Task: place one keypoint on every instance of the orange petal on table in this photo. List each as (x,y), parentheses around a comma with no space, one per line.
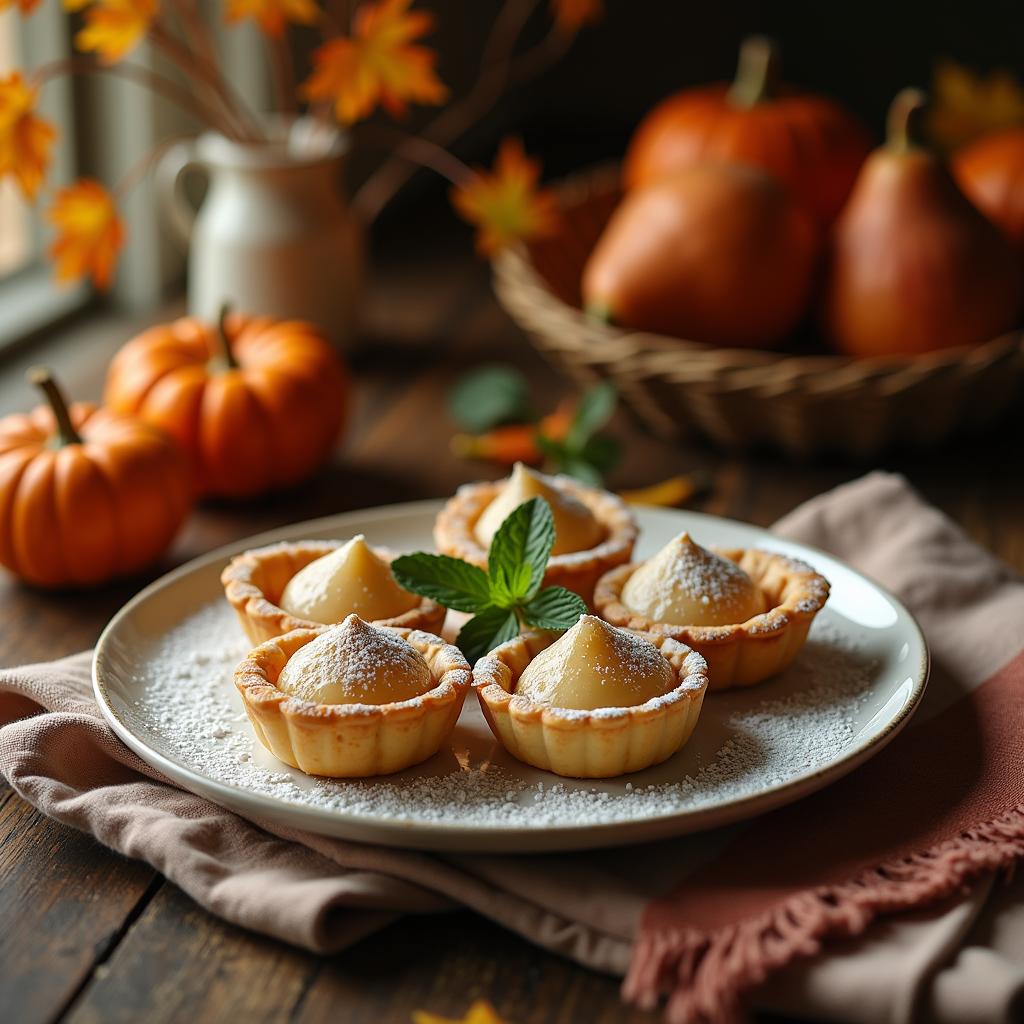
(572,15)
(113,27)
(676,490)
(505,204)
(273,15)
(25,139)
(377,65)
(89,233)
(481,1012)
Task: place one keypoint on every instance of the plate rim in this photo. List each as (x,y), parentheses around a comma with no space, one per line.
(592,834)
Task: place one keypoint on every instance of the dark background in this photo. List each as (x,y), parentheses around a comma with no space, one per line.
(583,109)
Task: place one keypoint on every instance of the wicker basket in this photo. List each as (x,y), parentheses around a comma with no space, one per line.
(743,398)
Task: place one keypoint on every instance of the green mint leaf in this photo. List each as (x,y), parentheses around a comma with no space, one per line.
(595,409)
(554,608)
(524,538)
(554,452)
(485,631)
(490,396)
(449,581)
(509,585)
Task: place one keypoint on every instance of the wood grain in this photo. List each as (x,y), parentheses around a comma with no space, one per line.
(88,937)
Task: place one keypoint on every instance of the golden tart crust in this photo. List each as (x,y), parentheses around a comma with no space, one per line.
(596,744)
(255,580)
(746,652)
(577,571)
(352,740)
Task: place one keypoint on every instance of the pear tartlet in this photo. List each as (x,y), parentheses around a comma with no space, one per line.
(598,702)
(355,699)
(313,583)
(746,611)
(594,530)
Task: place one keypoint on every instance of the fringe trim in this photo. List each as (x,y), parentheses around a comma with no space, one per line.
(705,975)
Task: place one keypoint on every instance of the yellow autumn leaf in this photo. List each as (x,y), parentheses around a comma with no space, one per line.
(25,139)
(572,15)
(481,1012)
(505,204)
(965,105)
(89,233)
(113,27)
(273,15)
(377,65)
(670,493)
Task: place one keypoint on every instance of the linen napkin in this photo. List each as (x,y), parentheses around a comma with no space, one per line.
(876,899)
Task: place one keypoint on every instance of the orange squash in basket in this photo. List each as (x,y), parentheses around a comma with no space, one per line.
(86,494)
(256,403)
(913,266)
(718,254)
(991,174)
(810,143)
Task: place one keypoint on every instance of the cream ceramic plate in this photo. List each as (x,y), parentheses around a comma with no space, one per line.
(162,674)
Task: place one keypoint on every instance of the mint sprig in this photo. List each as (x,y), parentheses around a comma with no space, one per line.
(509,594)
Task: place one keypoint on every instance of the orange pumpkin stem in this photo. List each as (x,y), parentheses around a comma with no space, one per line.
(905,122)
(224,357)
(757,75)
(42,378)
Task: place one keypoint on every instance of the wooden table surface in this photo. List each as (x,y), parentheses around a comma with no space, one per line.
(86,935)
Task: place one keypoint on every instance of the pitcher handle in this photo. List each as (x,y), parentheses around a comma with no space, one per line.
(171,169)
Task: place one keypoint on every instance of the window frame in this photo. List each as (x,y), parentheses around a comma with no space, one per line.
(30,299)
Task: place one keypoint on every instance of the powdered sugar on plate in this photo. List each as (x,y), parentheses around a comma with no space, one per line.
(746,742)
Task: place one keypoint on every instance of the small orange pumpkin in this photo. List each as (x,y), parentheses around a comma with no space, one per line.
(86,494)
(257,404)
(990,172)
(810,143)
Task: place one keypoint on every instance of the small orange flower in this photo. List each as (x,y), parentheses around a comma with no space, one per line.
(481,1012)
(377,64)
(572,15)
(113,27)
(506,204)
(24,138)
(89,233)
(273,15)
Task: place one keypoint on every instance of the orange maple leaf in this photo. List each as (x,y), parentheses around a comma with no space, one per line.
(273,15)
(572,15)
(25,6)
(505,204)
(377,64)
(966,105)
(89,233)
(24,138)
(113,27)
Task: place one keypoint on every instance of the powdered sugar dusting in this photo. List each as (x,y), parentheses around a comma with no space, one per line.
(745,742)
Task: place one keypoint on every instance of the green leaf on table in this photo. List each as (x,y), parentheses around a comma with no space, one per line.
(554,608)
(523,542)
(596,408)
(584,453)
(490,396)
(485,631)
(449,581)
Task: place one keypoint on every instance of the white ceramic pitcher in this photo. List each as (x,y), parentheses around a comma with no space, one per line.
(273,234)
